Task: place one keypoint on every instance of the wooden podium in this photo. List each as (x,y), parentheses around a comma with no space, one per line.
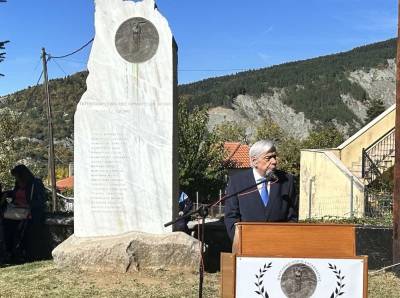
(288,240)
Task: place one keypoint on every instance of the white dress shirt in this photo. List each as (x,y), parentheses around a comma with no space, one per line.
(257,177)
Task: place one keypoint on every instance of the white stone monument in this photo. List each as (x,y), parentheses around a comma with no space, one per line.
(125,153)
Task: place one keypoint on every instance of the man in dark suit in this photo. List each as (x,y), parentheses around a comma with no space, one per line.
(271,201)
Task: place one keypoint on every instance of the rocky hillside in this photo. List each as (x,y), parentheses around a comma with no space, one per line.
(378,83)
(297,96)
(334,89)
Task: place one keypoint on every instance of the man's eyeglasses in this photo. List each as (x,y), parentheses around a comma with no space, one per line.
(269,157)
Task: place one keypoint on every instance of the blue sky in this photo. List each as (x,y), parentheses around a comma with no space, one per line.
(215,37)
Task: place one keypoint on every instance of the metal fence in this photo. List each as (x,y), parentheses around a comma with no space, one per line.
(378,204)
(214,211)
(65,204)
(330,206)
(345,201)
(376,209)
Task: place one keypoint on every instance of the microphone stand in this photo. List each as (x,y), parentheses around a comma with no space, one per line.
(203,211)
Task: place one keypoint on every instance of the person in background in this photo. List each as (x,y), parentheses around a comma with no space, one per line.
(185,206)
(274,200)
(2,240)
(24,214)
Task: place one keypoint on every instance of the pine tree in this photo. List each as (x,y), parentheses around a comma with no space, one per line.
(9,147)
(376,107)
(2,46)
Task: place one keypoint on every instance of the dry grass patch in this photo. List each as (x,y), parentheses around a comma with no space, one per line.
(43,279)
(384,285)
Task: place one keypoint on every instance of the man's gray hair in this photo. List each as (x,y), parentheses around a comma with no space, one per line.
(259,148)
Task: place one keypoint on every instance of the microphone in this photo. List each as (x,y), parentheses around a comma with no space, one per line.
(270,176)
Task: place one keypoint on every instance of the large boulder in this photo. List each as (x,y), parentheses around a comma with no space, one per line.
(129,252)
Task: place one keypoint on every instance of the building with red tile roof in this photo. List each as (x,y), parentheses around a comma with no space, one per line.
(237,156)
(66,183)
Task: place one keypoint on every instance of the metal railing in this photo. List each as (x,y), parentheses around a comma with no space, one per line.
(378,157)
(370,170)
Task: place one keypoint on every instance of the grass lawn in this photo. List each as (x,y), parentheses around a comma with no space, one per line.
(43,279)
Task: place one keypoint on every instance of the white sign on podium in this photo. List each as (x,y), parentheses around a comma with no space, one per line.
(299,277)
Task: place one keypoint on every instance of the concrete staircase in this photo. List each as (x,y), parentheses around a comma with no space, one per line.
(378,157)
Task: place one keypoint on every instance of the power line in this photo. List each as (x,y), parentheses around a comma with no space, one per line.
(72,53)
(33,90)
(37,64)
(30,97)
(59,66)
(227,69)
(183,70)
(75,61)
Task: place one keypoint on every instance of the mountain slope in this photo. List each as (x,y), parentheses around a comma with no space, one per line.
(315,87)
(335,88)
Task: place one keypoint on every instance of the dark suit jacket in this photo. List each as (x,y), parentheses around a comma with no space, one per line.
(248,206)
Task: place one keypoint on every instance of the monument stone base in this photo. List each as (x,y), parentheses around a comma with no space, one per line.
(129,252)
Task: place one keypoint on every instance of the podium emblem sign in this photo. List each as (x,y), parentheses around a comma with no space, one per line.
(299,277)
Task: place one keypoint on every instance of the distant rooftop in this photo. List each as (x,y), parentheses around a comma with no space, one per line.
(237,155)
(66,183)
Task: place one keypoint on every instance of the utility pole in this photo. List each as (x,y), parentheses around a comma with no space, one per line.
(52,169)
(396,194)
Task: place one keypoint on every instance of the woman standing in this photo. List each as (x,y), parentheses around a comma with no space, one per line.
(24,214)
(2,244)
